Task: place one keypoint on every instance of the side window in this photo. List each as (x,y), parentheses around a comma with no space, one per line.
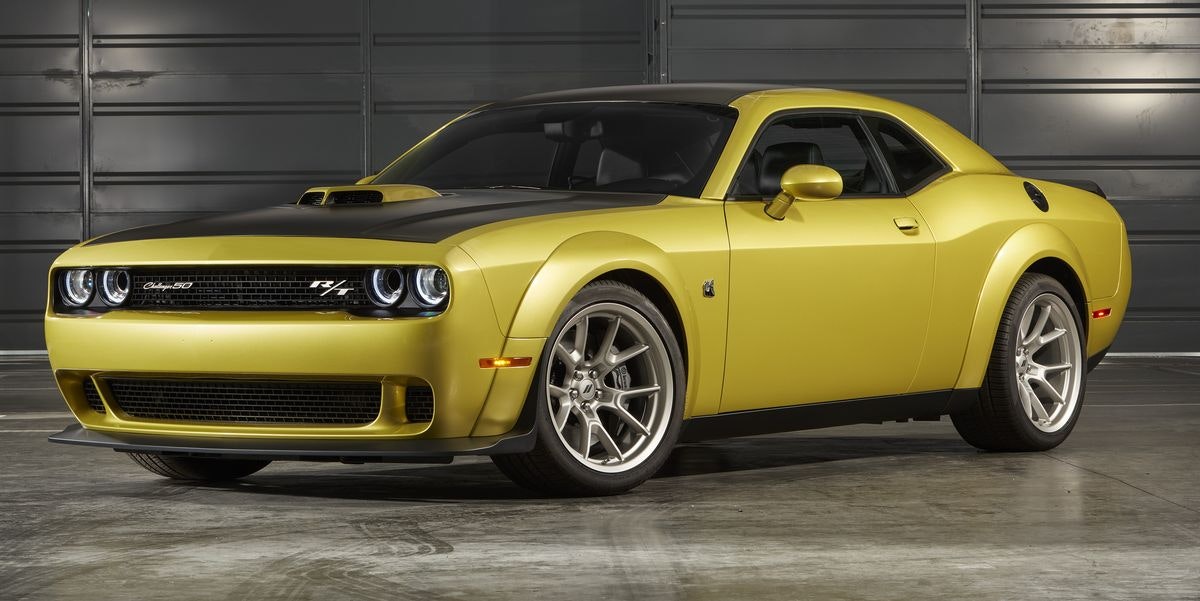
(838,142)
(911,162)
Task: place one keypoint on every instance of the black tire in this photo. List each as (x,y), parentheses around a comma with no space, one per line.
(198,468)
(998,422)
(550,468)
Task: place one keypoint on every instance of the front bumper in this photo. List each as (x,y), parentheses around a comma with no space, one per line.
(441,352)
(429,450)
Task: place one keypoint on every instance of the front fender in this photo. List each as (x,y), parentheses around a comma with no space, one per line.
(1022,249)
(580,260)
(583,258)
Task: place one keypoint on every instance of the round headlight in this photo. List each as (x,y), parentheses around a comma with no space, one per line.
(385,286)
(114,286)
(431,285)
(77,287)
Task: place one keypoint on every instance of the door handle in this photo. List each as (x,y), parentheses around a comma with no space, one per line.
(906,224)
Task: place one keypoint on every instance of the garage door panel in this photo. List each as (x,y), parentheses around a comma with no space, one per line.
(222,192)
(1165,332)
(226,143)
(1098,124)
(1164,269)
(1105,91)
(22,306)
(41,37)
(309,55)
(1076,24)
(1163,313)
(933,80)
(22,229)
(222,142)
(893,24)
(29,268)
(535,16)
(229,37)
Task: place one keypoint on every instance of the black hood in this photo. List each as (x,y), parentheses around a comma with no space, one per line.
(424,220)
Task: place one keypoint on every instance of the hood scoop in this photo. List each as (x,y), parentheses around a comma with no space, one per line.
(361,195)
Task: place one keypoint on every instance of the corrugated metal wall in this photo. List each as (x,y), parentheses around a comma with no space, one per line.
(1109,91)
(1101,90)
(193,107)
(199,107)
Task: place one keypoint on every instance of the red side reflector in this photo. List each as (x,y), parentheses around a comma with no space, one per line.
(505,362)
(1101,313)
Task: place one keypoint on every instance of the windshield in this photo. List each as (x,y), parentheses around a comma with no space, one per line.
(605,146)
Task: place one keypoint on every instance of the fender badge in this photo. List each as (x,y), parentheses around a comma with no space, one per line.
(709,289)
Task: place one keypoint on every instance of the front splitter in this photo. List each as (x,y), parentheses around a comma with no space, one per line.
(432,450)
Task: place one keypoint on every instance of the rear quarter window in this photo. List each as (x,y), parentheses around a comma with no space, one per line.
(912,163)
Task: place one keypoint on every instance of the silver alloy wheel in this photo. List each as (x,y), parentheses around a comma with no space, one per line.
(1048,362)
(609,387)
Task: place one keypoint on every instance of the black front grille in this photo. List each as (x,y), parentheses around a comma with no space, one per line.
(248,288)
(354,197)
(247,401)
(92,395)
(418,403)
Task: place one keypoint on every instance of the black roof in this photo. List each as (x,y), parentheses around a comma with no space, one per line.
(689,93)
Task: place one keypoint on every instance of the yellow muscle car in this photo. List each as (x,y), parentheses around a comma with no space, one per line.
(575,282)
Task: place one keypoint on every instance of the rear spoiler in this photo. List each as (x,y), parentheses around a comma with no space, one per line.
(1082,184)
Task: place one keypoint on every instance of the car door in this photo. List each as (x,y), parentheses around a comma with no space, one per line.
(832,302)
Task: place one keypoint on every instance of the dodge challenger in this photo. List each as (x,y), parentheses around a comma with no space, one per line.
(573,283)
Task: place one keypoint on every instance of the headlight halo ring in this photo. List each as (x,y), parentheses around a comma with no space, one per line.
(77,287)
(386,286)
(115,285)
(431,286)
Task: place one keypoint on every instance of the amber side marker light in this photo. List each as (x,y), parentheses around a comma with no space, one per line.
(1101,313)
(505,362)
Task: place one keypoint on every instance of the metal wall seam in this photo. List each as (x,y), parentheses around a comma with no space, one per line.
(85,118)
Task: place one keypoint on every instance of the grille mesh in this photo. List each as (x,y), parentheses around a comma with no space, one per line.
(248,401)
(92,395)
(418,403)
(250,288)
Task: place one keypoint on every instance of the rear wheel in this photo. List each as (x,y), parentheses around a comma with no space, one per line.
(1033,390)
(609,393)
(201,469)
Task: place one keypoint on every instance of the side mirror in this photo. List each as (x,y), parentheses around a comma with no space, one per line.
(366,180)
(804,182)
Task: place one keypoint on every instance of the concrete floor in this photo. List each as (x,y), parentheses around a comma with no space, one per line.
(901,511)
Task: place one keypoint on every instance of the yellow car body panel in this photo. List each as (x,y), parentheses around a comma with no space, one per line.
(813,309)
(578,249)
(834,302)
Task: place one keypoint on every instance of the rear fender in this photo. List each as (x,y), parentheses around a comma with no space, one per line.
(1024,248)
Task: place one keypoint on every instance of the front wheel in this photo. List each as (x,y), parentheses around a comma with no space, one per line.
(1033,390)
(609,393)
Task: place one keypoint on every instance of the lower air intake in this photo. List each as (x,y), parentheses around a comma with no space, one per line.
(418,403)
(247,401)
(92,395)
